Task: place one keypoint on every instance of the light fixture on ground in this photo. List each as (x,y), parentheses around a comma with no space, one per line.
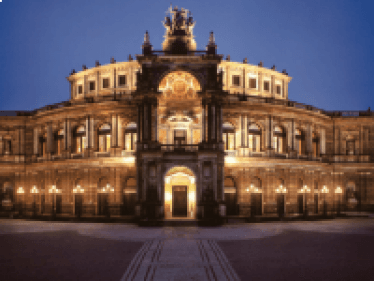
(53,190)
(324,191)
(34,191)
(339,192)
(281,194)
(305,190)
(20,192)
(78,199)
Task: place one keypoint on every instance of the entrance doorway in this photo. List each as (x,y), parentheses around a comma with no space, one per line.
(230,199)
(58,203)
(280,204)
(78,204)
(129,200)
(300,203)
(102,204)
(180,193)
(179,201)
(316,203)
(256,204)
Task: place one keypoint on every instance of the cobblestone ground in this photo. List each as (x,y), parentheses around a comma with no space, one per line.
(325,250)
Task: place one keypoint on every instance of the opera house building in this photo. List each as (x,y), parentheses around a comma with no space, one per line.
(183,132)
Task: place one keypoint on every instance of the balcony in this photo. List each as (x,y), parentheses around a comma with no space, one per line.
(350,158)
(179,147)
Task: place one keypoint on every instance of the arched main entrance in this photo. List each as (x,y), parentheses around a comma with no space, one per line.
(180,193)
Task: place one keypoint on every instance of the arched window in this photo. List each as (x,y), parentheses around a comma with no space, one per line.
(350,145)
(278,139)
(43,145)
(254,138)
(7,146)
(59,140)
(300,184)
(130,136)
(80,139)
(300,142)
(315,143)
(257,183)
(104,138)
(228,136)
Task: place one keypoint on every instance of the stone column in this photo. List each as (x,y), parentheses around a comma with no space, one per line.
(322,144)
(213,122)
(98,84)
(114,138)
(85,88)
(36,141)
(260,82)
(1,145)
(272,86)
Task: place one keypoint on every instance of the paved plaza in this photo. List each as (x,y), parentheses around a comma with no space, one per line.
(339,249)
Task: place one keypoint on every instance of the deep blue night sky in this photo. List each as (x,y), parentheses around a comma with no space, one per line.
(326,46)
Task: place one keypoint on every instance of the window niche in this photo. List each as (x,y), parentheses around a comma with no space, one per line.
(266,86)
(92,86)
(236,80)
(106,83)
(122,80)
(252,83)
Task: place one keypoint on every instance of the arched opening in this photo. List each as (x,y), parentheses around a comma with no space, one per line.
(351,195)
(228,136)
(254,138)
(279,139)
(281,191)
(130,136)
(78,192)
(256,197)
(231,198)
(300,196)
(129,197)
(102,206)
(300,142)
(316,145)
(80,142)
(7,196)
(178,127)
(180,193)
(58,197)
(104,136)
(59,141)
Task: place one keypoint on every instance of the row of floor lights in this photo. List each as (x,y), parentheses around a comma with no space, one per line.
(305,190)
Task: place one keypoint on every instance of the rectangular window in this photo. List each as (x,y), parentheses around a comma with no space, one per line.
(266,86)
(122,80)
(252,83)
(92,86)
(236,80)
(80,89)
(250,142)
(278,89)
(106,83)
(107,142)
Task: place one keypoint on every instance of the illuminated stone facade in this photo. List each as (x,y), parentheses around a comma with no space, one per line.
(184,133)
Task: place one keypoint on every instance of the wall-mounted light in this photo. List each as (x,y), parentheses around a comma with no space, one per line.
(325,189)
(338,190)
(78,189)
(34,190)
(20,190)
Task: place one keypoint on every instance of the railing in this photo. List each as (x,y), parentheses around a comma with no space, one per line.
(180,148)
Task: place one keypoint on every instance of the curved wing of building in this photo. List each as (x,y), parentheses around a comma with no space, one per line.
(182,132)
